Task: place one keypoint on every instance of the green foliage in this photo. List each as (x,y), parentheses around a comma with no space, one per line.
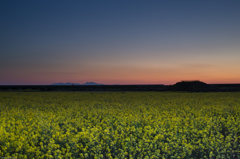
(119,125)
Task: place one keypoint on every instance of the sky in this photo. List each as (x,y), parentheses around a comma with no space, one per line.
(119,42)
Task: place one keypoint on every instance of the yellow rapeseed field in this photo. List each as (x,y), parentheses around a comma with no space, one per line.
(132,125)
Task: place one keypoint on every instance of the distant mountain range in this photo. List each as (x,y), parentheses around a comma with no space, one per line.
(69,83)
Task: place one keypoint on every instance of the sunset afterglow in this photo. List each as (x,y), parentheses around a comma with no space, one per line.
(119,42)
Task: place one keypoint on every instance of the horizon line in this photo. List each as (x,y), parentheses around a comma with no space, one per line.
(98,84)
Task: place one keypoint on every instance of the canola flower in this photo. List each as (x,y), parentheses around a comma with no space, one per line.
(119,125)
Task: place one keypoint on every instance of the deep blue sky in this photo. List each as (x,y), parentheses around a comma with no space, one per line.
(119,42)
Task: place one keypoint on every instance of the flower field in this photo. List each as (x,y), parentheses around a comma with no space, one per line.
(132,125)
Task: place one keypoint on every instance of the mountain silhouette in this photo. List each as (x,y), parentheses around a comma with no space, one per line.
(193,86)
(69,83)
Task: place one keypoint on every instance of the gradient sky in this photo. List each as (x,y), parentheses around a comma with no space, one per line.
(119,42)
